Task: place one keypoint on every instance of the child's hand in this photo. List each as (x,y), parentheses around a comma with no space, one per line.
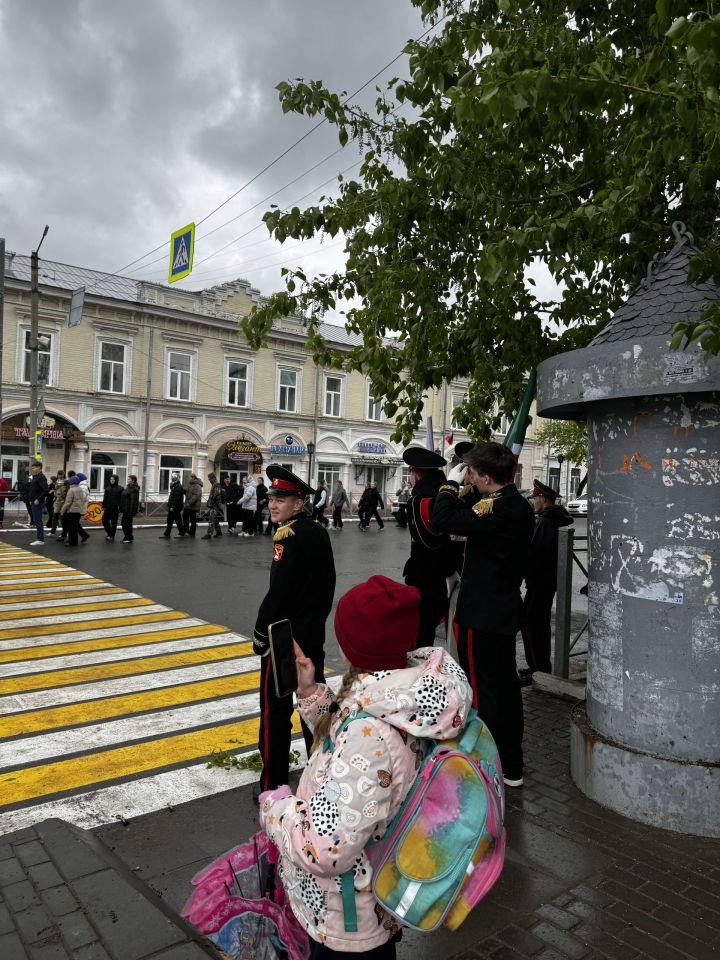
(306,673)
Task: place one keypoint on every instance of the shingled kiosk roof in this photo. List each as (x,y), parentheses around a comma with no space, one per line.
(663,298)
(631,356)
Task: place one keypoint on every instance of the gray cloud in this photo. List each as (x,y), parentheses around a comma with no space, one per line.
(124,121)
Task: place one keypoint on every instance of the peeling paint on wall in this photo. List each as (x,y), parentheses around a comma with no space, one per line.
(705,643)
(691,470)
(694,526)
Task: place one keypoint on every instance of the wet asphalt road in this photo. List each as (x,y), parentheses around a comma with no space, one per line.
(224,580)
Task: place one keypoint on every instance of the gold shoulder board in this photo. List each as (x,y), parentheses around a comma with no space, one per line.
(283,532)
(483,507)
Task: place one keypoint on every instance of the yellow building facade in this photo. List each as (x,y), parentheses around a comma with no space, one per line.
(155,380)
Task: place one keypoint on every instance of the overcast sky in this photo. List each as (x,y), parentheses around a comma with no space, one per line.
(122,122)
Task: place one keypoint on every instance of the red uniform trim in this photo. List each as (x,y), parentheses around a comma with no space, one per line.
(425,516)
(285,485)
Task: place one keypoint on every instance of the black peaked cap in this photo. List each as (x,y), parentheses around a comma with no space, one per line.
(423,459)
(284,483)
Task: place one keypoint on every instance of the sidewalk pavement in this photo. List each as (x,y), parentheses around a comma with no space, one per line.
(580,882)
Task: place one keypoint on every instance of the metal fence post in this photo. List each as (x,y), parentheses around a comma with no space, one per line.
(563,603)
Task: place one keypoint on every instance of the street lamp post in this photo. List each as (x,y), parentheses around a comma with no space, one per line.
(311,454)
(34,347)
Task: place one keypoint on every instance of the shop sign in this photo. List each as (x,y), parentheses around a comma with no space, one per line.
(372,448)
(23,433)
(243,450)
(290,448)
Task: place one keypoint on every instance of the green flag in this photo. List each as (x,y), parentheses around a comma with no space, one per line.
(516,434)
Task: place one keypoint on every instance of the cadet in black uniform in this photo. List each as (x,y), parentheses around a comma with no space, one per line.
(302,585)
(432,556)
(541,579)
(498,530)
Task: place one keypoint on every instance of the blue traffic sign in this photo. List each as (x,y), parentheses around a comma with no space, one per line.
(182,248)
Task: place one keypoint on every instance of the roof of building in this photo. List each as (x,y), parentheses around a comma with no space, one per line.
(663,298)
(64,276)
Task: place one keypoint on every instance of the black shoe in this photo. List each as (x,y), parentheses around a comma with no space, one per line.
(127,541)
(164,536)
(525,675)
(208,536)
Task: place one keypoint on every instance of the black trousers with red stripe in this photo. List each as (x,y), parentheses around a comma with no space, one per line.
(276,723)
(535,626)
(488,659)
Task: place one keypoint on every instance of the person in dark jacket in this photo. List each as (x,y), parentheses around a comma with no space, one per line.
(261,492)
(37,491)
(129,506)
(498,530)
(111,507)
(302,586)
(231,493)
(373,503)
(174,507)
(320,502)
(193,502)
(541,579)
(431,558)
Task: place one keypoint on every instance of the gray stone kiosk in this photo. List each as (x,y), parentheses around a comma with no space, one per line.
(647,741)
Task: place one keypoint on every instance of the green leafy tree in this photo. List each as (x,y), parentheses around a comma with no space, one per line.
(565,437)
(571,133)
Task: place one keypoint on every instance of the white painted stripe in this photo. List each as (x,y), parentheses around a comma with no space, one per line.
(69,601)
(18,643)
(22,578)
(75,617)
(34,564)
(112,733)
(137,797)
(77,693)
(117,653)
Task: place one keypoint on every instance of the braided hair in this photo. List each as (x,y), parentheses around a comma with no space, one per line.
(322,727)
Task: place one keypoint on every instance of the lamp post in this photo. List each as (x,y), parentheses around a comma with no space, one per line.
(67,432)
(311,454)
(34,347)
(560,459)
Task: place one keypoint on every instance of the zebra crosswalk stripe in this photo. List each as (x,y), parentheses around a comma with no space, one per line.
(111,703)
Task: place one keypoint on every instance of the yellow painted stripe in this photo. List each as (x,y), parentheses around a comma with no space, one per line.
(80,773)
(110,643)
(31,571)
(54,628)
(51,582)
(105,708)
(39,598)
(124,668)
(76,608)
(12,566)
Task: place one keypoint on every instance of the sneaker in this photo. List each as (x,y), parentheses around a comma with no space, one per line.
(208,536)
(109,539)
(509,782)
(60,539)
(37,543)
(127,541)
(164,536)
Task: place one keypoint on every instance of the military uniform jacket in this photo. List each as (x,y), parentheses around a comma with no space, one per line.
(498,531)
(542,559)
(302,584)
(431,552)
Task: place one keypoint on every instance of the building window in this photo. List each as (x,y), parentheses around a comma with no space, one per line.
(457,401)
(179,375)
(169,465)
(519,476)
(374,407)
(333,396)
(103,466)
(45,347)
(574,481)
(287,390)
(112,367)
(237,383)
(330,473)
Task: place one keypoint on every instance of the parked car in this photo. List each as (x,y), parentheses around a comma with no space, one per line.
(578,507)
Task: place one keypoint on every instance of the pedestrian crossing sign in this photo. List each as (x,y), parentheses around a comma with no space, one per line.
(182,247)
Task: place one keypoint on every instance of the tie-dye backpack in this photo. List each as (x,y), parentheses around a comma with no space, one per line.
(445,847)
